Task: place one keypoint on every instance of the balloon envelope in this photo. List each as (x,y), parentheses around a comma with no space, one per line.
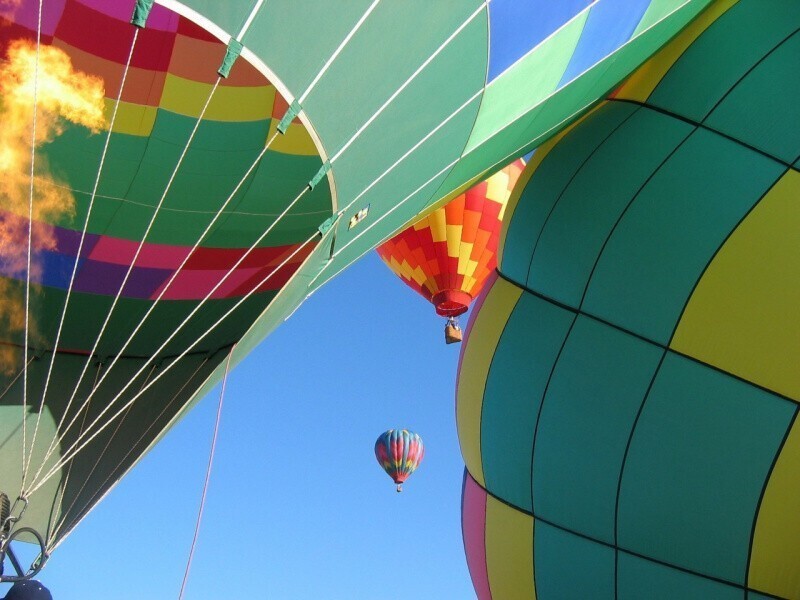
(447,256)
(399,452)
(628,390)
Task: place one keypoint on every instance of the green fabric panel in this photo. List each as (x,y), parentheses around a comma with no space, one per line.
(527,83)
(733,44)
(595,393)
(764,109)
(87,312)
(699,457)
(392,27)
(558,111)
(756,596)
(656,11)
(229,15)
(672,229)
(568,566)
(638,578)
(404,123)
(514,389)
(296,40)
(422,165)
(278,179)
(548,181)
(583,217)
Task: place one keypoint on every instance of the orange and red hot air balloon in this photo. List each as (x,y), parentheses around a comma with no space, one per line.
(447,256)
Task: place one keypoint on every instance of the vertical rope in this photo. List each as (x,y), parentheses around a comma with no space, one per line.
(75,266)
(30,247)
(208,475)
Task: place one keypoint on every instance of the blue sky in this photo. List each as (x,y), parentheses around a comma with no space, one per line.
(298,508)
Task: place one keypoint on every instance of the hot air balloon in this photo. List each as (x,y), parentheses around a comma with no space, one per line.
(195,170)
(399,453)
(447,256)
(628,389)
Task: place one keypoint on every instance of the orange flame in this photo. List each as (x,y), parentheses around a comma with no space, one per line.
(62,95)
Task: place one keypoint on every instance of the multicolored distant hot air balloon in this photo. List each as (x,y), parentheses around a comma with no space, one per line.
(399,453)
(447,256)
(196,170)
(629,392)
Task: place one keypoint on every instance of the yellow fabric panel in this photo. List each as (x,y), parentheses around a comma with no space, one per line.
(776,553)
(187,97)
(396,267)
(132,119)
(438,225)
(497,187)
(464,252)
(469,285)
(475,361)
(419,276)
(295,141)
(453,240)
(644,80)
(509,551)
(742,317)
(421,224)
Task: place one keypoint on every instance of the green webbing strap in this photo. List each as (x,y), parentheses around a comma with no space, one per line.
(291,113)
(141,11)
(231,54)
(323,170)
(328,223)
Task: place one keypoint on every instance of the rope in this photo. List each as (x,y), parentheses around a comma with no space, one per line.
(338,50)
(133,262)
(30,235)
(89,502)
(72,451)
(53,525)
(208,474)
(185,320)
(77,261)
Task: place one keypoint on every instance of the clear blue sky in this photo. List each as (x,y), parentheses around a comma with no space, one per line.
(298,508)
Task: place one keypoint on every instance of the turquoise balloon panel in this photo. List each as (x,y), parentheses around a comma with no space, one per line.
(765,129)
(590,205)
(639,578)
(547,183)
(699,458)
(593,398)
(672,229)
(587,573)
(734,45)
(516,385)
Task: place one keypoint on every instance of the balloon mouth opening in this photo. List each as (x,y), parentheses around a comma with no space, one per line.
(451,303)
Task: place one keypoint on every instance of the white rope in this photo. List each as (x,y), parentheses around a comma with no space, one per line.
(121,462)
(77,258)
(194,311)
(138,251)
(408,81)
(72,451)
(28,271)
(338,50)
(208,475)
(53,524)
(339,153)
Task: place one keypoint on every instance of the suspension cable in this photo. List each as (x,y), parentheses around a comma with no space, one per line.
(121,462)
(73,450)
(30,248)
(139,249)
(78,255)
(208,474)
(338,154)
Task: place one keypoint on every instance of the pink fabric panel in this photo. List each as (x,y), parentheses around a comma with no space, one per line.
(27,15)
(473,529)
(160,18)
